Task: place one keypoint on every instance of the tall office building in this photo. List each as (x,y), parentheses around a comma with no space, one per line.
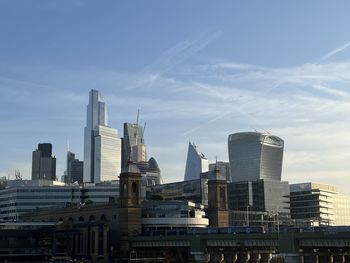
(102,146)
(254,156)
(133,148)
(196,163)
(43,163)
(74,172)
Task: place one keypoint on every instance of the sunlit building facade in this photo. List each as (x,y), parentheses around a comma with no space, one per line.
(319,204)
(102,146)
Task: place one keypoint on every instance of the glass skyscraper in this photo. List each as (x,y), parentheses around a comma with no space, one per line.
(43,163)
(254,156)
(102,146)
(134,148)
(196,163)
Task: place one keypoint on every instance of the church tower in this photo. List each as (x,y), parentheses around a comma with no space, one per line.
(130,201)
(217,196)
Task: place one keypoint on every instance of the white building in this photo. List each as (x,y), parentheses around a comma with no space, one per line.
(319,204)
(196,163)
(173,214)
(102,146)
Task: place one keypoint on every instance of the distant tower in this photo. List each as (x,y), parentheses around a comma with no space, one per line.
(195,164)
(74,172)
(43,163)
(130,200)
(217,200)
(102,146)
(254,156)
(134,148)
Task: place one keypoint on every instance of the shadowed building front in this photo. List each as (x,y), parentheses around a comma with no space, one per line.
(43,163)
(218,213)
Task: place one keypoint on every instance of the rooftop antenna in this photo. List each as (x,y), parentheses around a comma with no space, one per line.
(67,145)
(137,118)
(137,125)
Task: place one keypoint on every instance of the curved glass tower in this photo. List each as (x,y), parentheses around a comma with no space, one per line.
(254,156)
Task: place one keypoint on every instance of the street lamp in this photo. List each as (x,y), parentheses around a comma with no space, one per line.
(247,215)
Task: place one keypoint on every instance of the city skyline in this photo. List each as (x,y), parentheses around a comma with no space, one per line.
(227,68)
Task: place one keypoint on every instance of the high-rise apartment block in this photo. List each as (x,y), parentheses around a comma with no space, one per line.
(254,156)
(102,146)
(43,163)
(196,163)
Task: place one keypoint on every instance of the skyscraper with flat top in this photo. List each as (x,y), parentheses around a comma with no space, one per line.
(102,146)
(43,163)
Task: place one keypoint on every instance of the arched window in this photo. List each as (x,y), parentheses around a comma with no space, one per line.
(91,218)
(134,194)
(124,190)
(81,219)
(103,218)
(222,197)
(134,188)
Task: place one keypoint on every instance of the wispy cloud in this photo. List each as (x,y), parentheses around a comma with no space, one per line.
(174,56)
(334,52)
(303,104)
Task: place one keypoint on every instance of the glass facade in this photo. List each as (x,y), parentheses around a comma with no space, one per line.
(107,157)
(259,195)
(102,146)
(172,214)
(43,163)
(254,156)
(195,164)
(134,148)
(195,191)
(24,196)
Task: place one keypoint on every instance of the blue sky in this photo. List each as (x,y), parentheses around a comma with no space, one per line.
(198,71)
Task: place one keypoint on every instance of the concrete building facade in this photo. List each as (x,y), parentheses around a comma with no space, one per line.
(319,204)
